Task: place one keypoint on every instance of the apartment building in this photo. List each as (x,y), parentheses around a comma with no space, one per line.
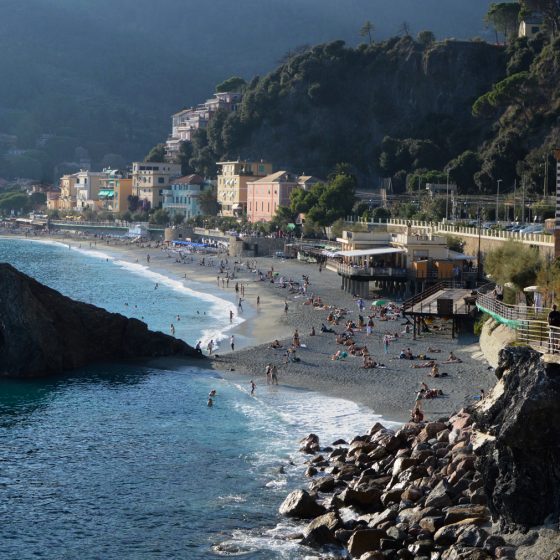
(150,179)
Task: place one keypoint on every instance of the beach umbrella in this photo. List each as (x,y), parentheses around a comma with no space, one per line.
(379,302)
(531,289)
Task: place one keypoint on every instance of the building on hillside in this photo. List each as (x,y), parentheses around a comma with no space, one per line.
(182,198)
(531,25)
(68,192)
(232,184)
(150,179)
(186,122)
(266,195)
(307,181)
(88,185)
(441,189)
(115,191)
(53,198)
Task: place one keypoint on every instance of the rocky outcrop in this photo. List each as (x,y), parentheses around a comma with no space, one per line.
(414,493)
(43,332)
(520,456)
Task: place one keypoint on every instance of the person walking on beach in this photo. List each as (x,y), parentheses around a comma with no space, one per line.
(240,306)
(232,343)
(253,387)
(148,258)
(386,344)
(286,307)
(258,301)
(274,375)
(268,373)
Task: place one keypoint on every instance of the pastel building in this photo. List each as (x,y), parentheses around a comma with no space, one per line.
(182,198)
(67,185)
(150,179)
(114,192)
(266,195)
(232,184)
(88,185)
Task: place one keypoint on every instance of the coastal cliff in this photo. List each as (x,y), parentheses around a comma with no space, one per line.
(43,332)
(447,490)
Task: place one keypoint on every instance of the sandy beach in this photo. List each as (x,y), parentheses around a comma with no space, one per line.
(388,391)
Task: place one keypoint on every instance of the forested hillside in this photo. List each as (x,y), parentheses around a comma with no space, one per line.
(98,79)
(406,109)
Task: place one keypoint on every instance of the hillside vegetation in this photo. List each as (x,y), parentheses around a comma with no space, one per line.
(98,79)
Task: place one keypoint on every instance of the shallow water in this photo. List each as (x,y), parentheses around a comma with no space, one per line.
(119,461)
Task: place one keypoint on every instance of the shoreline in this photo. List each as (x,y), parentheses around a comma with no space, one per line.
(389,392)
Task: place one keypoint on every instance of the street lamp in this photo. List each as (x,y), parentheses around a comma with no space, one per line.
(447,198)
(498,198)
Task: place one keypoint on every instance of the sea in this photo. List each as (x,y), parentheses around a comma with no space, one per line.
(119,461)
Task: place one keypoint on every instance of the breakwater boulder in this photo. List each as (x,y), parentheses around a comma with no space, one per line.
(43,332)
(520,455)
(411,493)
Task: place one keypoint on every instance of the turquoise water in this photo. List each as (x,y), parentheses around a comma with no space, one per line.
(119,461)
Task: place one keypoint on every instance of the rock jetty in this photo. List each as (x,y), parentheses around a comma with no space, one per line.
(441,490)
(43,332)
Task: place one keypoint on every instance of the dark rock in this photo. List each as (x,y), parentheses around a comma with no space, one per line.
(472,536)
(339,442)
(493,542)
(369,499)
(431,523)
(343,535)
(376,555)
(404,554)
(324,484)
(520,466)
(310,472)
(439,497)
(364,540)
(44,333)
(310,444)
(412,494)
(505,552)
(454,514)
(321,531)
(301,504)
(421,548)
(461,553)
(384,516)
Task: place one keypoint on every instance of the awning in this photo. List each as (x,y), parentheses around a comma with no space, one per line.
(106,194)
(456,256)
(370,252)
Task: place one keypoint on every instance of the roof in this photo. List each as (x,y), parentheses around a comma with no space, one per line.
(189,180)
(456,256)
(274,177)
(370,252)
(533,19)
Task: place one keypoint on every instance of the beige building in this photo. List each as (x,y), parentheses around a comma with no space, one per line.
(88,185)
(114,192)
(150,179)
(232,184)
(67,192)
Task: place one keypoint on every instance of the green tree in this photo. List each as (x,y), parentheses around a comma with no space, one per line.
(37,199)
(160,217)
(178,219)
(367,31)
(514,262)
(503,17)
(208,202)
(184,156)
(550,10)
(16,201)
(426,38)
(235,83)
(381,213)
(156,154)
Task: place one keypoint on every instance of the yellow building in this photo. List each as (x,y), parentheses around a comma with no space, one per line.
(67,199)
(123,189)
(149,179)
(232,184)
(114,192)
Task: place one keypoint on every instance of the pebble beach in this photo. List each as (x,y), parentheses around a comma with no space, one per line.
(389,391)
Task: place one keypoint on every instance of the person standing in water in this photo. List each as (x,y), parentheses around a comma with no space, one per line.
(232,343)
(210,402)
(172,329)
(210,347)
(253,387)
(230,316)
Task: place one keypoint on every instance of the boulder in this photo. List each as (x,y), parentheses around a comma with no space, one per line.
(301,504)
(369,498)
(454,514)
(519,462)
(321,531)
(439,497)
(323,484)
(45,333)
(365,540)
(403,463)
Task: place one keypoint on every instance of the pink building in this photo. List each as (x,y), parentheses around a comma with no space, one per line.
(266,195)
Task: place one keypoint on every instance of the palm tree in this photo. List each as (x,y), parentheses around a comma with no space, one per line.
(367,29)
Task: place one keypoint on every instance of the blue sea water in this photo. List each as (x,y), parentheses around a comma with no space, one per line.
(119,461)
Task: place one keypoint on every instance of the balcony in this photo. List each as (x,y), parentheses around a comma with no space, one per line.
(351,271)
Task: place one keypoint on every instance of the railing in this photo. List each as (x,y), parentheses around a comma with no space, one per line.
(530,324)
(389,272)
(411,302)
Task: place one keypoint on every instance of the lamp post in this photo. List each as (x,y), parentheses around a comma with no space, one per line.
(447,199)
(478,267)
(498,199)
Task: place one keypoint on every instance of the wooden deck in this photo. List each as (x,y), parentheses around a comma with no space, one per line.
(447,302)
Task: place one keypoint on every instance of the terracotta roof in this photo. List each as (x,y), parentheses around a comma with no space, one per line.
(188,180)
(275,177)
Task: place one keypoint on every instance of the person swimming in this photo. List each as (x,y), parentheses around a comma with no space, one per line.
(210,402)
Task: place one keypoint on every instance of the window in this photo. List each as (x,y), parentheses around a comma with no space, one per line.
(161,180)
